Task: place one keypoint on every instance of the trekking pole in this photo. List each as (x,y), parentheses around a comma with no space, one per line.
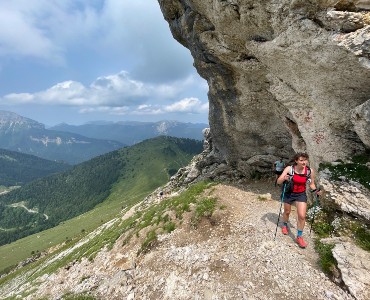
(314,211)
(281,204)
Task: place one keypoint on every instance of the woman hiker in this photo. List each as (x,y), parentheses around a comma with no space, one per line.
(300,174)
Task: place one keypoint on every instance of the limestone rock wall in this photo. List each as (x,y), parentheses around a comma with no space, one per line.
(283,76)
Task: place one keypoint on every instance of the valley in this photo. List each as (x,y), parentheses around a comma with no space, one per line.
(95,191)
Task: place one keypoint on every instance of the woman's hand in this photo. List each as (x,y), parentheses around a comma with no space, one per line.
(287,177)
(318,192)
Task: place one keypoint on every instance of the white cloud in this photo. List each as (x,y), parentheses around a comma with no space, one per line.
(112,90)
(188,105)
(123,110)
(148,110)
(115,94)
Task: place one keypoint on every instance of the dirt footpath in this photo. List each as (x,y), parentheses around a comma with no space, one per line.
(234,255)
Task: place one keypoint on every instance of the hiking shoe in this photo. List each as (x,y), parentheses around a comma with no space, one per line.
(284,230)
(301,243)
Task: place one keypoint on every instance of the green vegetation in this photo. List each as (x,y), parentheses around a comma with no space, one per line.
(204,208)
(137,177)
(168,226)
(327,260)
(64,196)
(323,228)
(18,168)
(58,197)
(356,171)
(362,158)
(330,223)
(361,235)
(150,221)
(149,242)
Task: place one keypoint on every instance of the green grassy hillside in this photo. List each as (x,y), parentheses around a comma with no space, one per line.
(127,175)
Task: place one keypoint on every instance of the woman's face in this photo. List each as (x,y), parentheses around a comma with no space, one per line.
(302,161)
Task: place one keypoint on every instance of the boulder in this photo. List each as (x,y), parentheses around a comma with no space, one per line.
(354,265)
(349,197)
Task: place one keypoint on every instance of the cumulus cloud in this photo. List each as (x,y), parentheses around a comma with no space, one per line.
(116,94)
(187,106)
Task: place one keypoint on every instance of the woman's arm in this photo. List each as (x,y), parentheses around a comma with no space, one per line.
(312,183)
(284,176)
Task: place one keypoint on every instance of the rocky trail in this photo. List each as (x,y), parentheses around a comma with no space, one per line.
(232,255)
(236,257)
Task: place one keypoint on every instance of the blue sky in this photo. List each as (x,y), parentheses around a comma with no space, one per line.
(77,61)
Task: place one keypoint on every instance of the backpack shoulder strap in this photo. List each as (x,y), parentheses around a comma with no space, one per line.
(308,175)
(291,171)
(308,172)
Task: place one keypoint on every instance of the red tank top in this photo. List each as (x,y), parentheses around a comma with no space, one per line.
(299,181)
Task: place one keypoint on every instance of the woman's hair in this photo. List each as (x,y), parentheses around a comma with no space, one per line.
(300,154)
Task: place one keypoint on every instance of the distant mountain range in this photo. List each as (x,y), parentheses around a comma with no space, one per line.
(24,135)
(130,133)
(75,144)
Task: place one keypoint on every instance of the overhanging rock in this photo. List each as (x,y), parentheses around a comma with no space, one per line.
(283,76)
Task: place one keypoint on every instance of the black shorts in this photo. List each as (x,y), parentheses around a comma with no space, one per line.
(278,172)
(292,197)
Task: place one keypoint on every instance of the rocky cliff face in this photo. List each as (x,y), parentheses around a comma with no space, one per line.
(283,76)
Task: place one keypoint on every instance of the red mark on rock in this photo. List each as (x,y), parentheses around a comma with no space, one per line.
(318,138)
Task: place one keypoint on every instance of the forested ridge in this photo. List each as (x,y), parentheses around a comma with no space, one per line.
(19,168)
(63,196)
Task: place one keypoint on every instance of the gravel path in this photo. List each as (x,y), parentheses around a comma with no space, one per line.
(235,256)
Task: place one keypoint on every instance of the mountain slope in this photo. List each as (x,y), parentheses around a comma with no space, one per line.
(127,174)
(28,136)
(226,254)
(133,132)
(18,168)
